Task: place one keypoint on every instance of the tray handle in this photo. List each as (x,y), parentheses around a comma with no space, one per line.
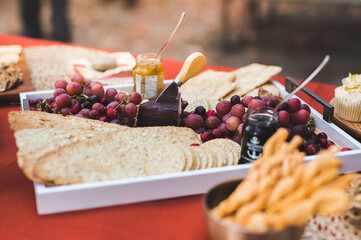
(26,105)
(328,109)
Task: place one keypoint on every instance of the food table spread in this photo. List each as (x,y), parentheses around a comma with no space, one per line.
(178,218)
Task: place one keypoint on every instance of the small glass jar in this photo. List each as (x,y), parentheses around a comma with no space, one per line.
(261,123)
(148,75)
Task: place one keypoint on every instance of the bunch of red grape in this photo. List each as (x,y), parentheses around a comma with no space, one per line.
(228,119)
(86,98)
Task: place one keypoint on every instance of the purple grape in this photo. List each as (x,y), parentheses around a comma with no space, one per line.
(305,107)
(322,135)
(223,107)
(116,121)
(194,121)
(235,99)
(200,130)
(200,110)
(184,104)
(311,149)
(113,104)
(65,111)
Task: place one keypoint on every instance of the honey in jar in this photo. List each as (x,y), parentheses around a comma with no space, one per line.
(148,75)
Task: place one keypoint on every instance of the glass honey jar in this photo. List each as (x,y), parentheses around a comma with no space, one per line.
(148,75)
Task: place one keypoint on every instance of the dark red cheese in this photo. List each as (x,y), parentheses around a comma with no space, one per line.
(159,114)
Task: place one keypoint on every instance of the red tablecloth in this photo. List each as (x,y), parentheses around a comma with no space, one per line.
(180,218)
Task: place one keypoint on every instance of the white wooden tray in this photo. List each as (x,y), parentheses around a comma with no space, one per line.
(65,198)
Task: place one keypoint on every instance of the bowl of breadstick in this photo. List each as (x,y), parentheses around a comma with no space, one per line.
(279,195)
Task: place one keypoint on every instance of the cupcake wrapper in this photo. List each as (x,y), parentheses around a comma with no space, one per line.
(348,110)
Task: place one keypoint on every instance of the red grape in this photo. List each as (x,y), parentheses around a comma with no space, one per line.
(131,110)
(323,142)
(301,130)
(61,83)
(223,107)
(84,112)
(235,99)
(184,104)
(276,100)
(63,100)
(300,117)
(182,122)
(294,105)
(53,105)
(100,108)
(330,143)
(306,107)
(87,92)
(76,108)
(311,149)
(65,111)
(223,128)
(98,90)
(217,133)
(87,82)
(345,149)
(271,103)
(225,117)
(212,122)
(211,113)
(122,111)
(232,123)
(39,100)
(206,136)
(94,114)
(246,100)
(113,104)
(322,135)
(240,129)
(255,103)
(78,115)
(77,77)
(264,99)
(94,83)
(32,109)
(73,88)
(237,138)
(121,97)
(284,118)
(195,144)
(135,98)
(104,119)
(238,110)
(112,113)
(32,103)
(59,91)
(194,121)
(110,94)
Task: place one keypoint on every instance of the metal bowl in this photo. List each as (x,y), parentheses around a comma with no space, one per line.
(221,229)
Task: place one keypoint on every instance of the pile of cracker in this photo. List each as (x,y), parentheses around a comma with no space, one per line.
(210,86)
(57,150)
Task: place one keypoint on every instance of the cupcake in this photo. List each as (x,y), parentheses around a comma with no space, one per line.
(348,98)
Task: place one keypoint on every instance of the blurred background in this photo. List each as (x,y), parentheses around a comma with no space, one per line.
(294,34)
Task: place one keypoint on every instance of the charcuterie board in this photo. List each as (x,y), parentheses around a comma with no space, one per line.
(54,199)
(12,95)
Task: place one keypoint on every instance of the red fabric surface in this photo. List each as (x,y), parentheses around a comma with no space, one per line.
(179,218)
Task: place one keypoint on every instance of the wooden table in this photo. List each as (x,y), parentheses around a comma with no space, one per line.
(179,218)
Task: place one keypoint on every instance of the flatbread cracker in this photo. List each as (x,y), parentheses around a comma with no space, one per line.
(208,84)
(251,77)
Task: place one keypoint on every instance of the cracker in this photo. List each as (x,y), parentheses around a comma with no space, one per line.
(208,84)
(165,159)
(252,76)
